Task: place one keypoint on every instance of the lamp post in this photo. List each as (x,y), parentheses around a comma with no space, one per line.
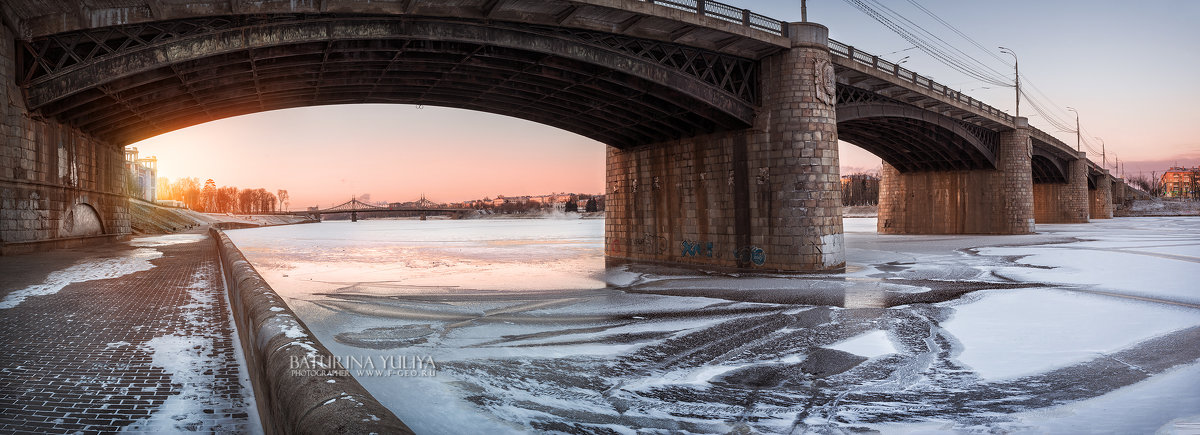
(1103,159)
(1077,134)
(1016,77)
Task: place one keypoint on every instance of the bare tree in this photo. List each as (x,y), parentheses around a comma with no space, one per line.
(208,196)
(246,201)
(187,189)
(282,194)
(164,189)
(227,199)
(1150,185)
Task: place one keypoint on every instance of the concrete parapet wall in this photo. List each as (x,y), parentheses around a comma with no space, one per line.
(273,340)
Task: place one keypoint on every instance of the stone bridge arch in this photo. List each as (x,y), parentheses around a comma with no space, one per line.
(697,103)
(126,83)
(940,175)
(1049,167)
(914,139)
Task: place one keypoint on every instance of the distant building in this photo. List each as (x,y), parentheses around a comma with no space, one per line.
(143,175)
(1181,182)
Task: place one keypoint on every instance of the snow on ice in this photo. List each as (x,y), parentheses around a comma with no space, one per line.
(922,334)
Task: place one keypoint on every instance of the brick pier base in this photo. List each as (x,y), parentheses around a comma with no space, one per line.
(1058,203)
(765,198)
(1100,197)
(983,201)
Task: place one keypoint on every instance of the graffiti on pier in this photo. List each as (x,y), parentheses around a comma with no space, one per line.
(692,248)
(650,244)
(751,254)
(612,246)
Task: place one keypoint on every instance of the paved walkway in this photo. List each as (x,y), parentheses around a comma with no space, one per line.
(131,336)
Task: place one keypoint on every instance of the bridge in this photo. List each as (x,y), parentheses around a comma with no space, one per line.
(721,125)
(354,207)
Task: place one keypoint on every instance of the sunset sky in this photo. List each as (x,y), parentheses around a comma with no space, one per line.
(1128,67)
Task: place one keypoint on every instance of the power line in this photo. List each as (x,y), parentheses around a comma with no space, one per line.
(926,46)
(967,64)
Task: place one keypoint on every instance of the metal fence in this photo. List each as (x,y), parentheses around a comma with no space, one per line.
(727,13)
(745,17)
(848,51)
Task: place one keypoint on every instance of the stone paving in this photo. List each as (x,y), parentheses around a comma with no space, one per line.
(130,349)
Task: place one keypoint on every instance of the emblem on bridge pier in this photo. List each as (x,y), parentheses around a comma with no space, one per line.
(826,88)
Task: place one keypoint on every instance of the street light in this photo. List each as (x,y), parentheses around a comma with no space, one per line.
(1103,159)
(1077,136)
(1016,77)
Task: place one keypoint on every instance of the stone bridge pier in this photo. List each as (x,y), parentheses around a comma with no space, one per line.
(764,198)
(1064,203)
(1100,193)
(978,201)
(1118,191)
(59,187)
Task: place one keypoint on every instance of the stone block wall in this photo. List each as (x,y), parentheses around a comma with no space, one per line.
(1100,199)
(47,170)
(939,202)
(1063,203)
(985,201)
(765,198)
(1118,191)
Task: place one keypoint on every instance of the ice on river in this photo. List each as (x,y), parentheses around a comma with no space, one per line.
(530,332)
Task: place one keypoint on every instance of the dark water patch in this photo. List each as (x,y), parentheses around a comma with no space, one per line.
(819,363)
(625,338)
(835,292)
(893,266)
(387,337)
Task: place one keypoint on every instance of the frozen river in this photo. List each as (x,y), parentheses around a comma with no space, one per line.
(1081,328)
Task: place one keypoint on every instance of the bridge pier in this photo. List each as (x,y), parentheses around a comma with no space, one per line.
(1100,197)
(1064,203)
(58,186)
(1118,191)
(982,201)
(764,198)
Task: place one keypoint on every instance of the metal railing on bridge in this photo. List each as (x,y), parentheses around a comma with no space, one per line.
(727,13)
(895,70)
(745,17)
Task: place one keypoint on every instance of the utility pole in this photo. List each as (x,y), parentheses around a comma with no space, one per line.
(1016,77)
(1103,159)
(1078,138)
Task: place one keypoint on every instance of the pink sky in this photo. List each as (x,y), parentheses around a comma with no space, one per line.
(1135,89)
(324,155)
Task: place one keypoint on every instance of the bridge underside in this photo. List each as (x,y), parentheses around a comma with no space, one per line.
(585,82)
(1060,186)
(940,175)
